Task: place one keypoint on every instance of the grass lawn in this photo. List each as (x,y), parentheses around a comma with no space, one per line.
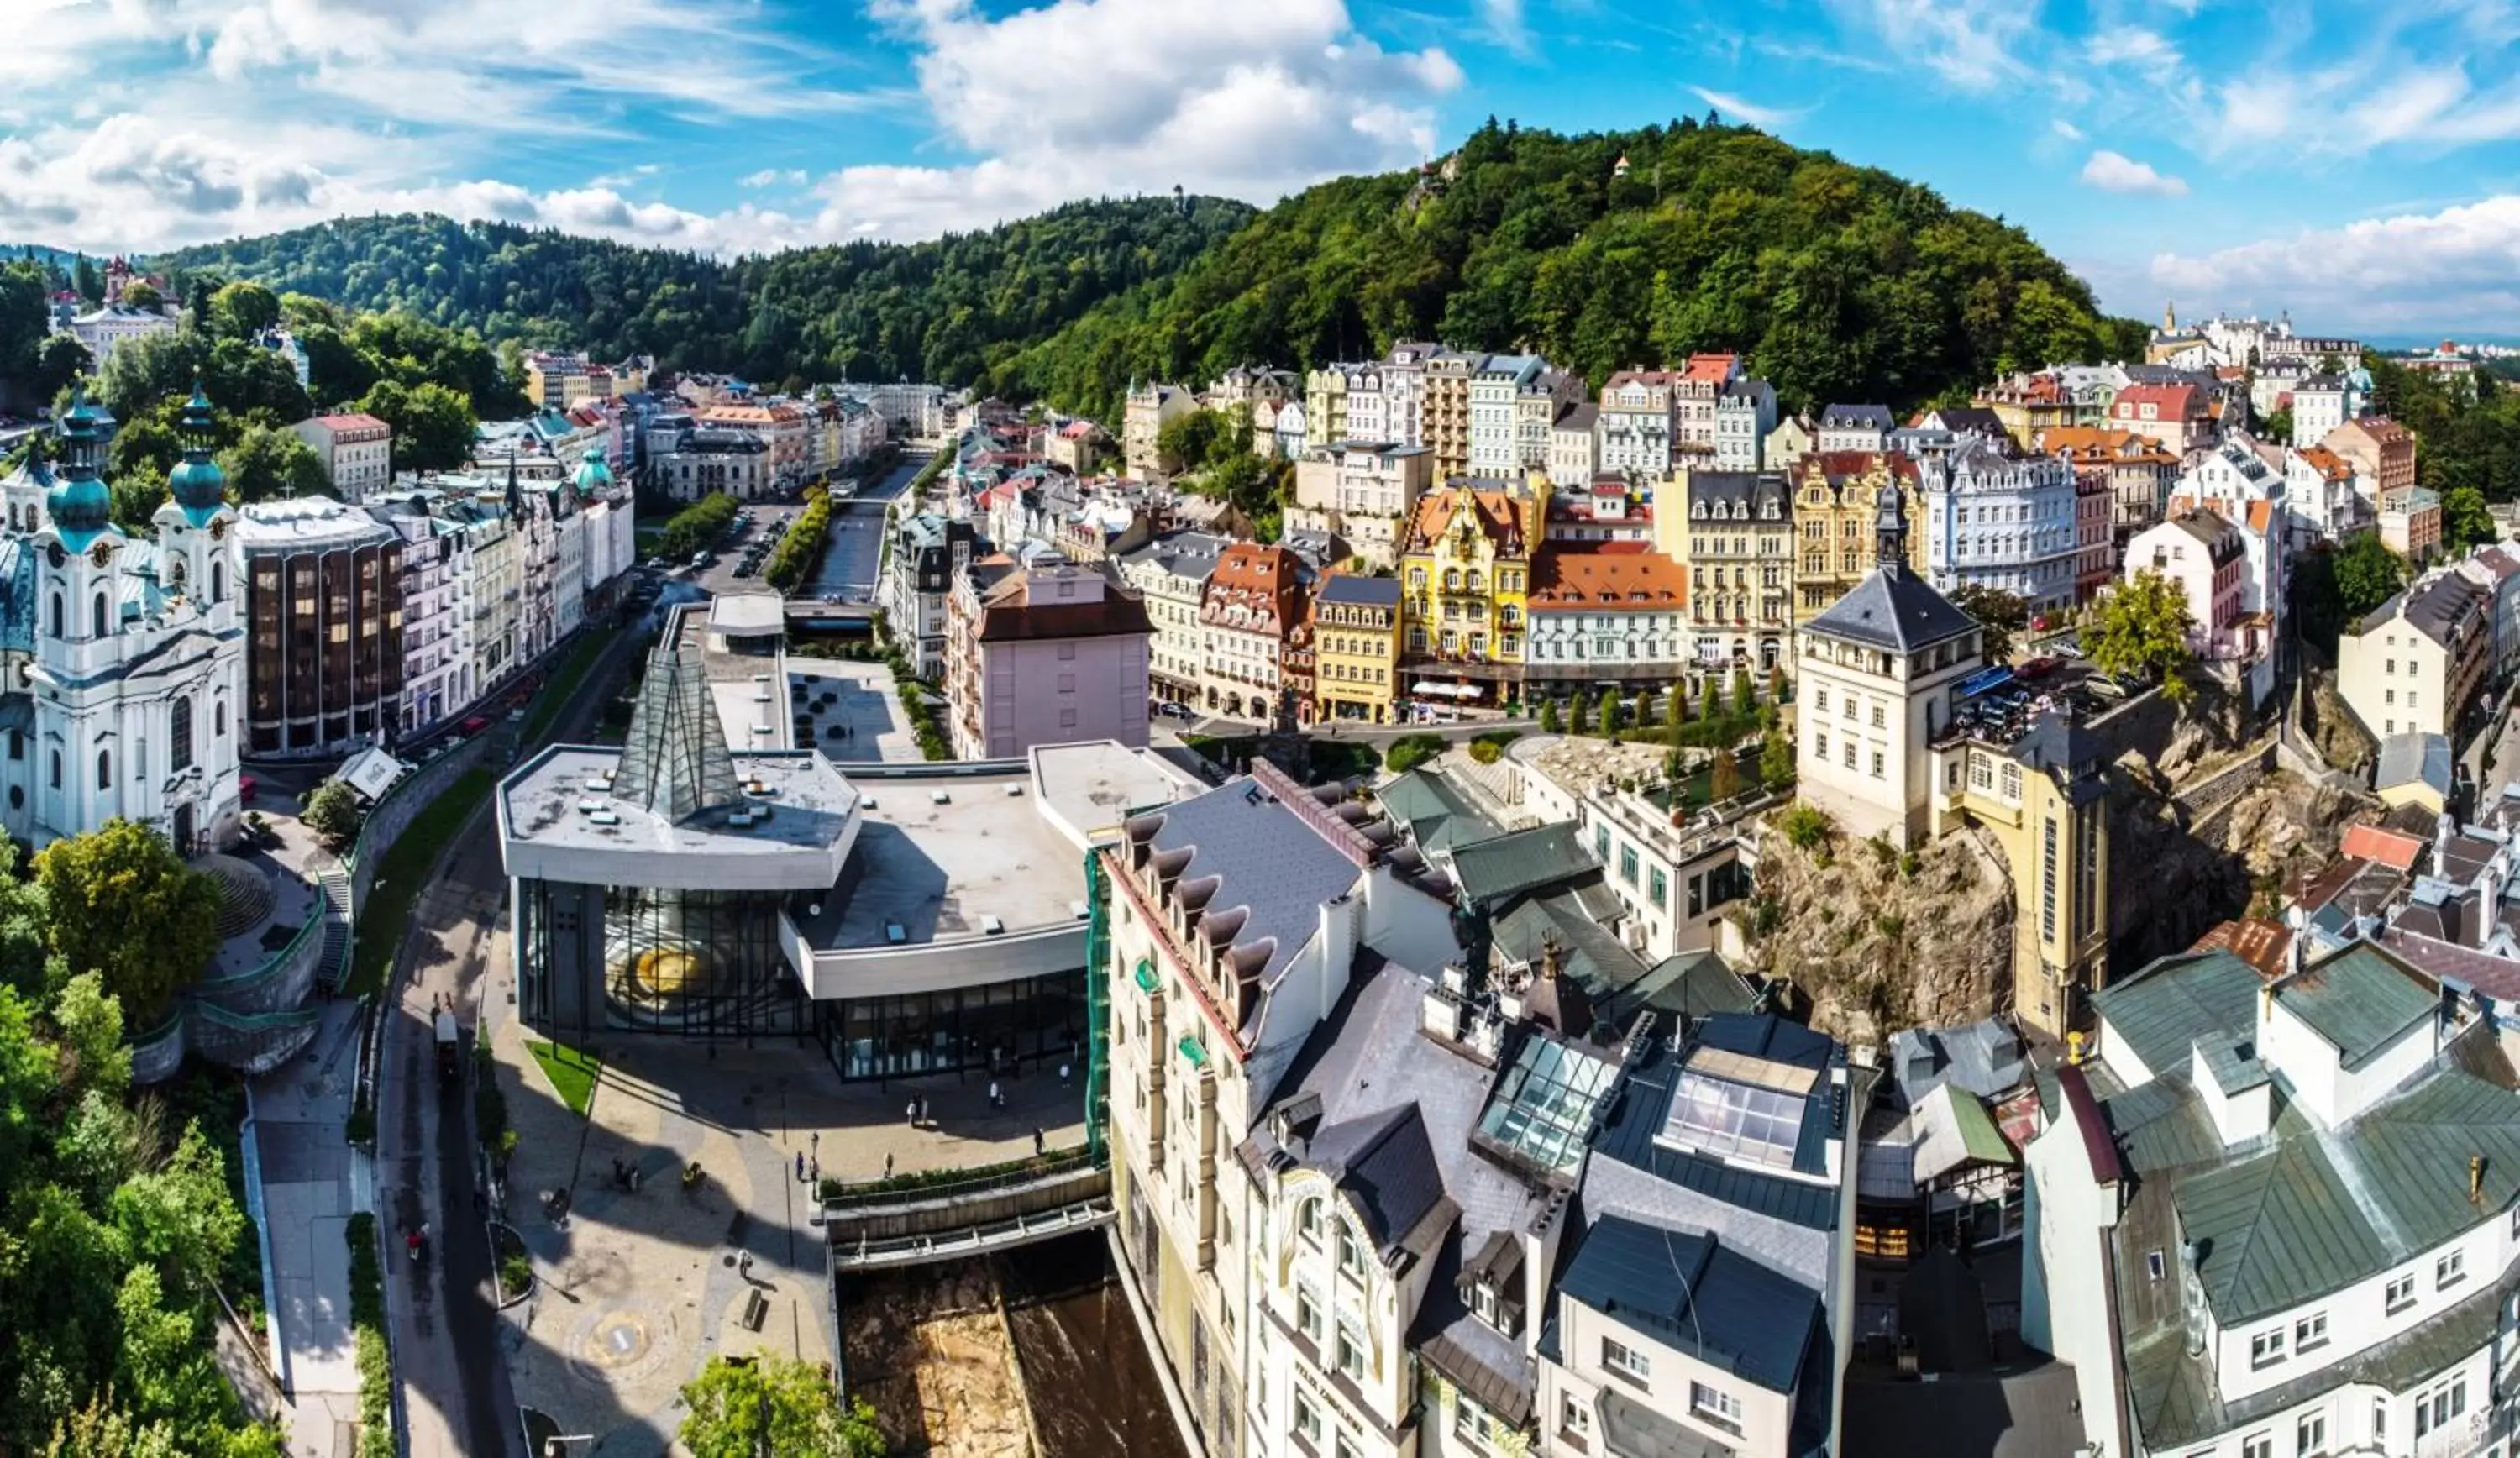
(561,688)
(402,874)
(571,1073)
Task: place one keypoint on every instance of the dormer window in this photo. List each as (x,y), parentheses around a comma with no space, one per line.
(1308,1220)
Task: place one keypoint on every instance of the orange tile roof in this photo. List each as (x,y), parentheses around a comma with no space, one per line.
(2327,463)
(1497,519)
(2262,514)
(2388,847)
(1607,577)
(1711,369)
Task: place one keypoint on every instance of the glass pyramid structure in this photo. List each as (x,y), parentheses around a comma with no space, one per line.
(676,762)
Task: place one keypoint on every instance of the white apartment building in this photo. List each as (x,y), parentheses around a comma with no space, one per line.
(2325,1265)
(1856,428)
(1371,486)
(1496,387)
(1536,412)
(106,329)
(1638,422)
(436,669)
(2322,402)
(1999,520)
(1575,447)
(2416,663)
(357,452)
(1745,413)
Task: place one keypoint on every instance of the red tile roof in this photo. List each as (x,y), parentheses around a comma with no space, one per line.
(1607,577)
(2388,847)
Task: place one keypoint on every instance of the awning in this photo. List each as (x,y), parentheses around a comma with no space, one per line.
(1446,691)
(1984,680)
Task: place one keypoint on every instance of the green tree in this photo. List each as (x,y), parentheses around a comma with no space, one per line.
(24,322)
(1715,706)
(137,494)
(2000,615)
(181,1215)
(267,464)
(2275,426)
(1615,715)
(86,281)
(1194,440)
(1675,709)
(1724,778)
(433,427)
(59,360)
(1579,713)
(141,294)
(93,1055)
(1777,759)
(333,813)
(2139,631)
(2465,523)
(1745,690)
(121,903)
(243,309)
(1548,721)
(768,1405)
(2367,574)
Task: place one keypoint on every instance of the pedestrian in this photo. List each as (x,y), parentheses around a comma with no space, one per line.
(1039,1145)
(995,1102)
(1062,1076)
(912,1113)
(800,1165)
(817,1179)
(887,1166)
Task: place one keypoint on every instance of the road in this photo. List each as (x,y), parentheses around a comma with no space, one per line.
(856,542)
(454,1384)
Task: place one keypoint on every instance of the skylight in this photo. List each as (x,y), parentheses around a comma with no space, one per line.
(1733,1121)
(1544,1105)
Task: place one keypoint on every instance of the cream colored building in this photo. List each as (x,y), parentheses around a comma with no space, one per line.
(1370,489)
(2416,663)
(1875,692)
(1149,408)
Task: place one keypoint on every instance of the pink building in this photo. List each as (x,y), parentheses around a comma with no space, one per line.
(1042,653)
(2203,556)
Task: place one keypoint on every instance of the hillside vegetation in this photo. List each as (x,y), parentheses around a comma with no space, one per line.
(1839,281)
(948,309)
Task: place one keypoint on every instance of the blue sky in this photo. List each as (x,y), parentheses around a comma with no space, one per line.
(2360,166)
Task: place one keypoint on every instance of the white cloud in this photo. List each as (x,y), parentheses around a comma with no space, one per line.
(2129,45)
(2442,270)
(1736,109)
(775,177)
(2066,129)
(1506,25)
(1971,45)
(2116,172)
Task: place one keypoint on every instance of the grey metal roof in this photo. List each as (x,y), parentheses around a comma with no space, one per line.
(1373,592)
(2414,758)
(1272,865)
(1385,1166)
(1689,986)
(1638,1112)
(1755,491)
(1983,1058)
(1857,418)
(2360,999)
(1696,1294)
(1502,865)
(2172,1001)
(1894,609)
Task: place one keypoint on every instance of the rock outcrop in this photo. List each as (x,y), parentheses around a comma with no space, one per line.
(2173,876)
(1876,942)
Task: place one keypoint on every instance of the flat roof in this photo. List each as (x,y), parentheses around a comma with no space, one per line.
(1087,789)
(747,614)
(936,869)
(549,812)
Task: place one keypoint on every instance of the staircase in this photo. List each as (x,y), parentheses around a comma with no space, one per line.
(336,964)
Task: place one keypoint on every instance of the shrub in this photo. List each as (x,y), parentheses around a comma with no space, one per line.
(1550,722)
(1408,751)
(1485,751)
(1804,826)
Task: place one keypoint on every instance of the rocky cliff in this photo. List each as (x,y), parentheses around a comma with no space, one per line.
(1875,943)
(2175,873)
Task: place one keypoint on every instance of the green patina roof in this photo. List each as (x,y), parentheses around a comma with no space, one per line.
(1977,1130)
(1502,865)
(1438,818)
(2163,1010)
(2360,1001)
(2320,1210)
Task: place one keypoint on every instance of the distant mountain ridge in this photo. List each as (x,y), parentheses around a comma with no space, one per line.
(1601,252)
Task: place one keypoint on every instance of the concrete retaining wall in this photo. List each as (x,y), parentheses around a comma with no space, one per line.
(944,1211)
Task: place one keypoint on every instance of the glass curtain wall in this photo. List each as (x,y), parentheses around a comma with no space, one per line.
(1025,1021)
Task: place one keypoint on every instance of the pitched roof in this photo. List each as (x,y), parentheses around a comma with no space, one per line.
(1894,609)
(2166,1006)
(2360,1001)
(1857,418)
(1497,866)
(1697,1295)
(1384,1163)
(1351,588)
(1439,818)
(1607,577)
(2376,842)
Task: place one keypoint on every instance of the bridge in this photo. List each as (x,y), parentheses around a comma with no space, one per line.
(887,1225)
(807,614)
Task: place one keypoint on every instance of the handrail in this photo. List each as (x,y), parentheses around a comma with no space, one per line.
(879,1193)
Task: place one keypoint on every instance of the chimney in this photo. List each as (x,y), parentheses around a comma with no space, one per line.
(2475,1180)
(2442,829)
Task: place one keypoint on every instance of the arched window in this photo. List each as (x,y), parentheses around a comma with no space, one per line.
(1308,1220)
(59,630)
(219,719)
(56,769)
(180,729)
(218,581)
(97,612)
(105,769)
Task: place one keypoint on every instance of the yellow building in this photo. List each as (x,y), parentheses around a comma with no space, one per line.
(2044,796)
(1836,505)
(1465,573)
(1355,649)
(1445,425)
(1733,530)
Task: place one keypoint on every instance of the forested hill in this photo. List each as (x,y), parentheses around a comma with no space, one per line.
(947,309)
(1840,282)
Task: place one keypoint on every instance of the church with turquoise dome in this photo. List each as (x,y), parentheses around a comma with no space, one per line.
(122,654)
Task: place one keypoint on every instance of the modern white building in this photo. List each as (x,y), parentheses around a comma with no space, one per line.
(1496,387)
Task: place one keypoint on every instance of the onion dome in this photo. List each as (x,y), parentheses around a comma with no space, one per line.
(79,505)
(200,488)
(594,477)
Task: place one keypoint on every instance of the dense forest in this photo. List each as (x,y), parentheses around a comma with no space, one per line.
(1839,281)
(948,310)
